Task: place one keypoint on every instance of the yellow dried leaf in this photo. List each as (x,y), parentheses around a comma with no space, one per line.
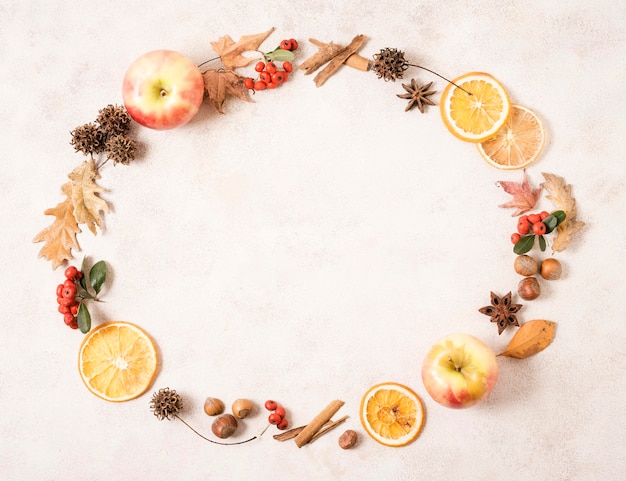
(230,51)
(86,196)
(60,236)
(220,83)
(532,337)
(561,195)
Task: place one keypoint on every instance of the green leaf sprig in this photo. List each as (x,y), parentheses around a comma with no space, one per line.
(527,242)
(89,286)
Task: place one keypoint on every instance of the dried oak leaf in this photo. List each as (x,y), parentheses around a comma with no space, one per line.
(561,195)
(230,51)
(524,197)
(532,337)
(60,236)
(86,195)
(220,83)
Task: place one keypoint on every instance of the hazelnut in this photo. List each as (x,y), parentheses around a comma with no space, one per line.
(551,269)
(213,406)
(348,439)
(525,265)
(224,426)
(242,408)
(528,288)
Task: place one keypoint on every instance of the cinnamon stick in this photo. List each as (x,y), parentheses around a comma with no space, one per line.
(318,421)
(339,59)
(327,427)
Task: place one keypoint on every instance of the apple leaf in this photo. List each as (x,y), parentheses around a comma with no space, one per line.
(60,236)
(230,51)
(220,83)
(86,195)
(532,337)
(561,195)
(524,197)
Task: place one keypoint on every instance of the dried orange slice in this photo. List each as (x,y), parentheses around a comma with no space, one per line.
(392,414)
(517,144)
(117,361)
(476,111)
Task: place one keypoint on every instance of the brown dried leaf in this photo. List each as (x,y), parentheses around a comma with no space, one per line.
(532,337)
(230,51)
(524,197)
(561,195)
(60,236)
(220,83)
(86,195)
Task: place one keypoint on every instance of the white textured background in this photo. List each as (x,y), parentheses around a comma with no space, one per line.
(317,241)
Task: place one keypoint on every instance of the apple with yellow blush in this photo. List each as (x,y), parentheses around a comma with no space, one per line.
(459,371)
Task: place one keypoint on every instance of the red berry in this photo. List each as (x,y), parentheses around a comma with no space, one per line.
(74,308)
(278,77)
(260,85)
(248,83)
(515,238)
(270,405)
(288,66)
(265,76)
(74,324)
(285,45)
(539,228)
(283,424)
(68,292)
(64,309)
(294,43)
(60,289)
(534,218)
(543,215)
(65,301)
(280,411)
(69,283)
(260,66)
(60,299)
(271,67)
(271,85)
(523,227)
(71,272)
(274,418)
(68,318)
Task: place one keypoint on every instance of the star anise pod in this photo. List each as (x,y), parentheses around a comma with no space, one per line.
(502,311)
(417,96)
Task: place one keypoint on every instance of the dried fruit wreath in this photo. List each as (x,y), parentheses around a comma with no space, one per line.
(164,89)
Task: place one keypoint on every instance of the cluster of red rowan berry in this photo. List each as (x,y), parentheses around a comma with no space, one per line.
(277,414)
(530,224)
(269,74)
(66,296)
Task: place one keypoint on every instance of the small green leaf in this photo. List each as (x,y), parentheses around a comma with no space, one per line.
(84,318)
(98,275)
(560,215)
(551,222)
(524,244)
(542,243)
(280,55)
(83,268)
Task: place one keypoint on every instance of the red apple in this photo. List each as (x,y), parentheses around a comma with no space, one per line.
(459,371)
(163,89)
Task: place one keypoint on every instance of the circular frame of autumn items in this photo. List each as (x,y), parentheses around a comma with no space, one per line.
(108,141)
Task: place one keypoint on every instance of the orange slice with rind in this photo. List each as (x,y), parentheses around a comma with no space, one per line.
(392,414)
(117,361)
(474,107)
(518,143)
